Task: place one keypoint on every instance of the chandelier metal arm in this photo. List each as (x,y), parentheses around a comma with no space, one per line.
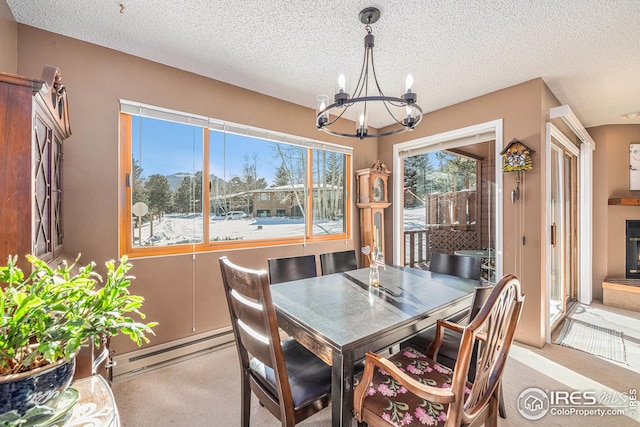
(375,79)
(357,91)
(344,106)
(353,101)
(319,126)
(375,76)
(367,135)
(386,106)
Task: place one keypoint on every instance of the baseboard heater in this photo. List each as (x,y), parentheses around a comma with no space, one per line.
(166,352)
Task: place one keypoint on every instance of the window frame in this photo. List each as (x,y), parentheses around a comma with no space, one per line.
(129,109)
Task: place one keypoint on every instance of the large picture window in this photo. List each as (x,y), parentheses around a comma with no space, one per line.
(264,188)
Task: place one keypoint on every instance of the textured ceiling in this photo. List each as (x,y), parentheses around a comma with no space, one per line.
(585,50)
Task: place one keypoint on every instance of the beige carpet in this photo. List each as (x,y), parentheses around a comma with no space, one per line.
(204,391)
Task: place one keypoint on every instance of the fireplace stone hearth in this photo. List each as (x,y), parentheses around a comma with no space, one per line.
(621,293)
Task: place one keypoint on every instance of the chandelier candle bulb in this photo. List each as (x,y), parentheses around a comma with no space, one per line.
(409,83)
(361,126)
(341,95)
(321,104)
(410,112)
(342,83)
(410,119)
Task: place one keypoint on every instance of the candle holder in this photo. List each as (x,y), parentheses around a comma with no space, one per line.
(376,259)
(374,275)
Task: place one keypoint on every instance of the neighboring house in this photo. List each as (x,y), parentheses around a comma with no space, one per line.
(284,201)
(280,201)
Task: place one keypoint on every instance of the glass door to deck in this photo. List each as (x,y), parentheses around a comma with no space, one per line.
(563,241)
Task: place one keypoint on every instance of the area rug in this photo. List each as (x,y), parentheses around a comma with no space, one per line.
(593,339)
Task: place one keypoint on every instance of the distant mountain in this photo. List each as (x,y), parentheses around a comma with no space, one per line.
(176,179)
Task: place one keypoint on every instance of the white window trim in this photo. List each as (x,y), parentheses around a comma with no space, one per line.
(151,111)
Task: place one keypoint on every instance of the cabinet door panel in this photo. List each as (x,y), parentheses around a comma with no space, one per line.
(42,197)
(56,196)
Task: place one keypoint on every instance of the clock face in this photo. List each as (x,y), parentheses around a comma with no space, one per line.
(378,190)
(516,159)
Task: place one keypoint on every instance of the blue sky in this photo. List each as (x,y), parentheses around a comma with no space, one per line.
(169,148)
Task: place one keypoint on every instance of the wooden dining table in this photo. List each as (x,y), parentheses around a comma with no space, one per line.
(339,317)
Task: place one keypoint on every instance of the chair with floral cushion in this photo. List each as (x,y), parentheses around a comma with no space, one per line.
(289,380)
(411,389)
(450,343)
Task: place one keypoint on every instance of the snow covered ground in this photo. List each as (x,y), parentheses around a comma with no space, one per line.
(415,218)
(175,229)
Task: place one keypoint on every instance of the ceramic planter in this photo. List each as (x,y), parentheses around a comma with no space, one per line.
(23,391)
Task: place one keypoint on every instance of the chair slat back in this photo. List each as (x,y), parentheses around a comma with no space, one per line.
(292,268)
(338,262)
(252,313)
(456,265)
(496,321)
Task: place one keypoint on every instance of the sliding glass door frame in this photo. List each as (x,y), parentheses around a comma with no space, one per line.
(564,244)
(584,154)
(441,141)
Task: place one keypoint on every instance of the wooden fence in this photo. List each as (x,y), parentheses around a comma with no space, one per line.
(451,224)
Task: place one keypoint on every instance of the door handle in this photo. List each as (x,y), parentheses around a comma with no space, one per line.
(553,234)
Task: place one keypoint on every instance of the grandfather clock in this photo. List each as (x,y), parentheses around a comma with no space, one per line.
(372,199)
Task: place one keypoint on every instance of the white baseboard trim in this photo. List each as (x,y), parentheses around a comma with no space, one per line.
(146,357)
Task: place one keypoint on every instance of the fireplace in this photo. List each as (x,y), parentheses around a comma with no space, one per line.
(633,249)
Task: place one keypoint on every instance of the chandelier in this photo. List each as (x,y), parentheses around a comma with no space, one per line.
(404,111)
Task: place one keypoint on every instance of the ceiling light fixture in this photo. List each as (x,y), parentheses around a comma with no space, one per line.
(632,116)
(405,107)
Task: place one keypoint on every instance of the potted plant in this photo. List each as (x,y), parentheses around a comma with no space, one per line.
(47,316)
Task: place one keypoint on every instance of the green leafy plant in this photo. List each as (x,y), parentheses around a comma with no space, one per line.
(51,313)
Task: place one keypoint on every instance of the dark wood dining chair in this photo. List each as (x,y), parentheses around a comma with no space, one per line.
(412,386)
(461,266)
(466,267)
(292,268)
(337,262)
(289,380)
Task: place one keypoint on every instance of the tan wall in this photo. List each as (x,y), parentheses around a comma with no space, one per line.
(8,41)
(611,179)
(96,78)
(523,111)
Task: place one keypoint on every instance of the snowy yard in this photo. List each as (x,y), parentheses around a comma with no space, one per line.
(175,229)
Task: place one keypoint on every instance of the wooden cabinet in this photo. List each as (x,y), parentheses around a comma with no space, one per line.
(372,199)
(34,122)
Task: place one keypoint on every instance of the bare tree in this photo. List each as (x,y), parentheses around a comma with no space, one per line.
(293,168)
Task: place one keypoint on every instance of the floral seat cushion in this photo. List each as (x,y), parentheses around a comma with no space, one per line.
(394,403)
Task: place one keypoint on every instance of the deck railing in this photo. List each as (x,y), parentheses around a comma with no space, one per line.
(416,248)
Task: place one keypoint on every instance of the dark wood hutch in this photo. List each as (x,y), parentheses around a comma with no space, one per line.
(34,122)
